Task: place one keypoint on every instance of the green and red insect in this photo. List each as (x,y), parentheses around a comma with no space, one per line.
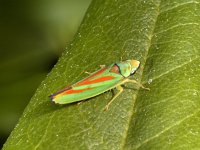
(98,82)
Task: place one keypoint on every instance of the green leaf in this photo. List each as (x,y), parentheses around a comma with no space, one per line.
(164,36)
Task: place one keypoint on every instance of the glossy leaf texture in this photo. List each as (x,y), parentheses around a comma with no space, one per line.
(165,37)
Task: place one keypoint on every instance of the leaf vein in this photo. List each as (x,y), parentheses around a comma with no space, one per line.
(176,26)
(167,129)
(146,56)
(168,98)
(180,66)
(179,5)
(46,131)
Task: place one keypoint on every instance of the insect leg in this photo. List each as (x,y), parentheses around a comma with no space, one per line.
(120,91)
(139,84)
(102,66)
(88,72)
(80,102)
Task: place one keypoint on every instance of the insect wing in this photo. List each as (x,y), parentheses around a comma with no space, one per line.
(91,86)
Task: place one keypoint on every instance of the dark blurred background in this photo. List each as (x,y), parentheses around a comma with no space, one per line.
(33,35)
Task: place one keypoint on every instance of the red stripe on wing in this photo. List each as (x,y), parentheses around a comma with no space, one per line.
(70,91)
(101,79)
(95,74)
(76,91)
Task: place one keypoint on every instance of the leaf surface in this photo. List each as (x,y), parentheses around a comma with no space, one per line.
(164,36)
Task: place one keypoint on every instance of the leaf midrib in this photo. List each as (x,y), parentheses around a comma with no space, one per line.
(145,58)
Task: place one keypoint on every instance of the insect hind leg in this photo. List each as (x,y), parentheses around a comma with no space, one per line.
(120,89)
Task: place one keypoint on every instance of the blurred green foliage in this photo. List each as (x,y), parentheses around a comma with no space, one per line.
(33,35)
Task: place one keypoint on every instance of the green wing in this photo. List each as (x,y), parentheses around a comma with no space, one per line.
(97,83)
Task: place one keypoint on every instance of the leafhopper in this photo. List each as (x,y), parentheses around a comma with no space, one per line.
(98,82)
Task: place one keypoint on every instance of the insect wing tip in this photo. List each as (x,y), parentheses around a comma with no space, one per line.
(53,98)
